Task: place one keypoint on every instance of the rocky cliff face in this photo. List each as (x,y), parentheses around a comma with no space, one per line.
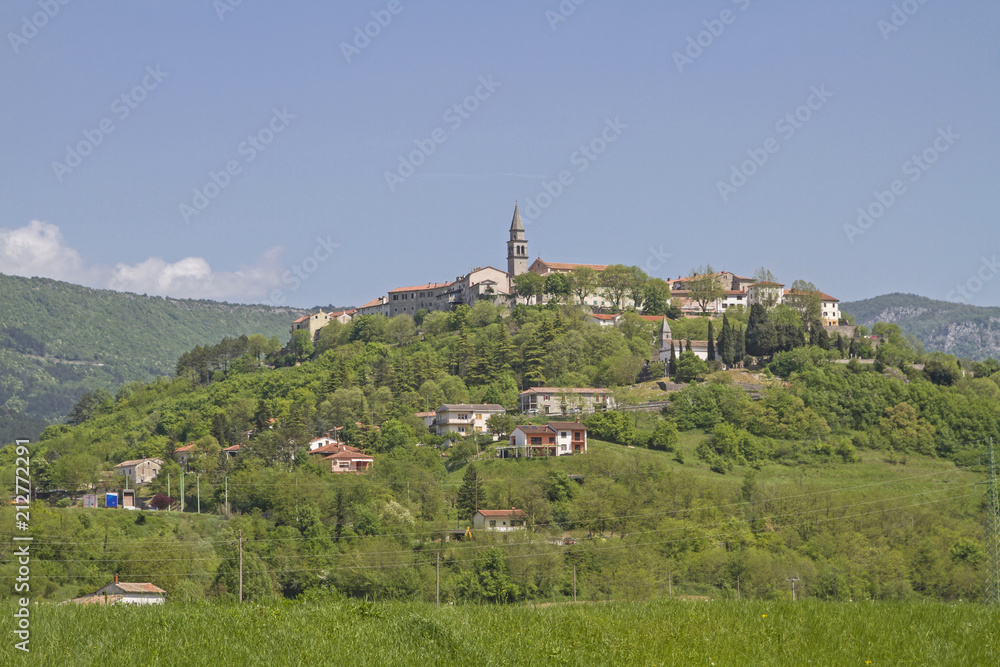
(943,326)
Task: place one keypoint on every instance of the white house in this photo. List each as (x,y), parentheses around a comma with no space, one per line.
(464,418)
(124,593)
(140,471)
(552,439)
(562,400)
(499,520)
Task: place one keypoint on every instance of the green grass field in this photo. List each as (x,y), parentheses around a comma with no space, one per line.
(663,632)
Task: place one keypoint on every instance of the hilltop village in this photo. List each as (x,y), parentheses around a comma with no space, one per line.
(604,290)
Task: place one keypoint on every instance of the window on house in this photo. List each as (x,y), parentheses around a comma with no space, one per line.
(536,440)
(577,435)
(493,523)
(562,434)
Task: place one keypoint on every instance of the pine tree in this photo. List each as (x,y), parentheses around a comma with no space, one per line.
(727,343)
(470,494)
(711,342)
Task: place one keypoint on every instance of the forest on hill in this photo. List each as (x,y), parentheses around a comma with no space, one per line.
(59,340)
(960,329)
(855,477)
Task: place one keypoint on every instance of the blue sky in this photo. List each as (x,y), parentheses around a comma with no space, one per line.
(253,152)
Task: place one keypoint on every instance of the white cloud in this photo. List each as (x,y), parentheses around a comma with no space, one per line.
(39,249)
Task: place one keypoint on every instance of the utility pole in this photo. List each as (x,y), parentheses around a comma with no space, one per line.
(182,490)
(574,583)
(437,582)
(793,580)
(198,481)
(168,487)
(241,566)
(991,593)
(227,496)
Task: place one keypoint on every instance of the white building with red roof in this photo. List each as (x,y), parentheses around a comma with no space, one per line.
(499,520)
(121,592)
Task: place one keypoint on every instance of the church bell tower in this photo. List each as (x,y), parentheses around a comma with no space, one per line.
(517,247)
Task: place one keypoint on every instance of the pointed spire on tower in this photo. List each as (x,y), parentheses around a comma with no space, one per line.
(515,224)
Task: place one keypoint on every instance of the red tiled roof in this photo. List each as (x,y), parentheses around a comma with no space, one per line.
(430,413)
(139,588)
(533,428)
(234,448)
(350,456)
(564,266)
(569,426)
(301,319)
(511,512)
(374,302)
(419,287)
(185,448)
(602,316)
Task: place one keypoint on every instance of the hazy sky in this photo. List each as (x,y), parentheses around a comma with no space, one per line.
(274,152)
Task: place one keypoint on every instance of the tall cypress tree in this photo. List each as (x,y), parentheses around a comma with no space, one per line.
(711,342)
(727,343)
(687,345)
(672,361)
(740,338)
(470,494)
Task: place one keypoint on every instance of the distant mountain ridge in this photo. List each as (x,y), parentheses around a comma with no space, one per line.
(58,340)
(943,326)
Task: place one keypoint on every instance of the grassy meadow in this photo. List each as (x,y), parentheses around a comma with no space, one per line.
(661,632)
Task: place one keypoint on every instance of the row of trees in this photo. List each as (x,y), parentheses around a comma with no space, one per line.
(623,286)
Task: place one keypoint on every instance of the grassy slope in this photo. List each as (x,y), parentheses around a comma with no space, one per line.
(100,338)
(663,632)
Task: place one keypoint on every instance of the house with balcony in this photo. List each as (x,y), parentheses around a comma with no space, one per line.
(552,439)
(464,418)
(563,400)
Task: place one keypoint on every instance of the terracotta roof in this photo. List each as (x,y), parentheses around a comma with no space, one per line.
(485,407)
(533,428)
(513,511)
(430,413)
(301,319)
(653,318)
(139,588)
(234,448)
(823,295)
(563,266)
(374,302)
(185,448)
(420,287)
(602,316)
